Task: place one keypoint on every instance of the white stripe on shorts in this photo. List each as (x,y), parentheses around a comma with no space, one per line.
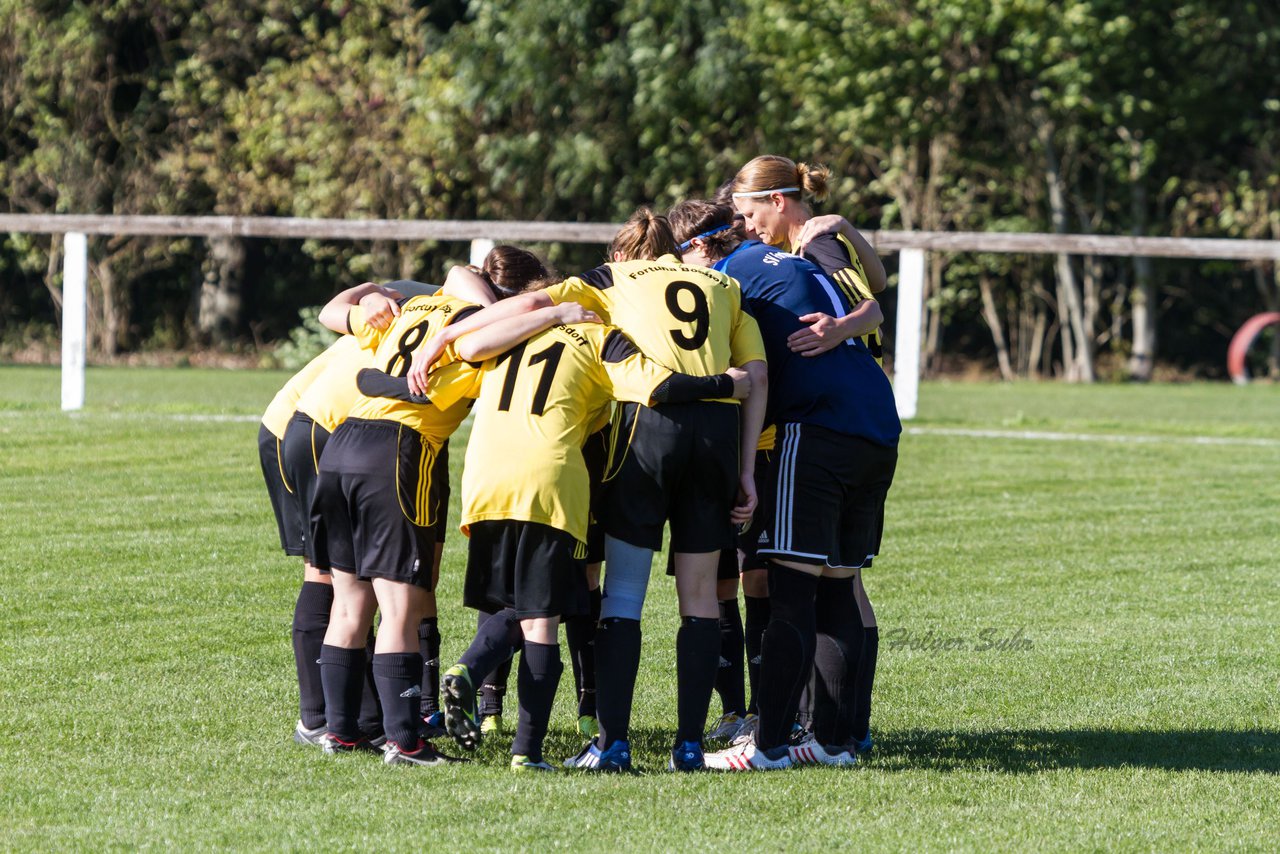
(785,498)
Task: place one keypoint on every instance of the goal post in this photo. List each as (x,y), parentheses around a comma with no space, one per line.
(75,269)
(906,344)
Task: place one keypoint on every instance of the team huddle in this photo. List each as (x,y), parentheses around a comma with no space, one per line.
(719,376)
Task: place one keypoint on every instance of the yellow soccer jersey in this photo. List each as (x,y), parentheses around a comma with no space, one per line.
(393,351)
(285,403)
(686,318)
(537,404)
(838,258)
(332,394)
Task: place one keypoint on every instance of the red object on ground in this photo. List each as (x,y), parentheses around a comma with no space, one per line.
(1242,340)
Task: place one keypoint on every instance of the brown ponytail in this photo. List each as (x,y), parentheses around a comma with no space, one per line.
(645,236)
(508,270)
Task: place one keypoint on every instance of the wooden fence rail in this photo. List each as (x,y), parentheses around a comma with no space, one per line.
(582,232)
(913,246)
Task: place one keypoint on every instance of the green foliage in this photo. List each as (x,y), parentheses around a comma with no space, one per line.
(307,340)
(933,114)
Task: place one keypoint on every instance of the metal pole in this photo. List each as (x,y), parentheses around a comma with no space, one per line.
(906,346)
(75,266)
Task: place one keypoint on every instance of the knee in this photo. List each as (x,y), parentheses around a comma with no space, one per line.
(621,600)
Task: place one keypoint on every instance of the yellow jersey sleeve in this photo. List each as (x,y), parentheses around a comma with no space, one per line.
(285,402)
(367,336)
(585,291)
(452,383)
(328,400)
(630,376)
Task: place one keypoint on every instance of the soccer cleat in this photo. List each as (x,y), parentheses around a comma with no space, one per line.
(588,726)
(866,745)
(748,728)
(461,718)
(588,757)
(331,744)
(615,758)
(524,763)
(744,755)
(424,755)
(433,725)
(810,752)
(491,725)
(798,735)
(726,728)
(302,735)
(687,756)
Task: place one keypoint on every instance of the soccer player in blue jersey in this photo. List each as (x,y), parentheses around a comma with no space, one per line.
(838,434)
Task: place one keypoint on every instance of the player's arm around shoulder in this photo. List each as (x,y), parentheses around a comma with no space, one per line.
(380,306)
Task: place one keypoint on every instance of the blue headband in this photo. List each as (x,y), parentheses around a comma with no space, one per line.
(684,247)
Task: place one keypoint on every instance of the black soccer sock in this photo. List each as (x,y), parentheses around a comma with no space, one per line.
(835,661)
(580,634)
(729,685)
(342,675)
(697,660)
(398,675)
(370,707)
(804,706)
(310,620)
(787,652)
(429,649)
(536,682)
(497,639)
(866,677)
(493,689)
(617,664)
(758,611)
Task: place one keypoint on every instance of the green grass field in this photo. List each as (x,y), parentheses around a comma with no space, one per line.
(146,677)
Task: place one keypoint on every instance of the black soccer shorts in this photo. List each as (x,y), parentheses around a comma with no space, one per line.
(533,568)
(300,452)
(370,514)
(828,491)
(292,532)
(680,465)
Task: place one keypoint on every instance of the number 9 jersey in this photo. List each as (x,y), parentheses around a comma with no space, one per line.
(393,352)
(686,318)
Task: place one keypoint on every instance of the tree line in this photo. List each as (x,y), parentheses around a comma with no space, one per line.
(1080,116)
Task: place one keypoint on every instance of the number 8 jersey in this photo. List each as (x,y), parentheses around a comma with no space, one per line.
(393,351)
(686,318)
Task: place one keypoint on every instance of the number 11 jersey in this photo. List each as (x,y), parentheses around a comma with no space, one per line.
(537,403)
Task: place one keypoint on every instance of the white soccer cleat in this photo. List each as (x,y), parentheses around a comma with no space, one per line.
(314,737)
(588,757)
(726,728)
(744,755)
(810,752)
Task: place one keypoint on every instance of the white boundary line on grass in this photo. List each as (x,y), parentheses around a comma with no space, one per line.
(1118,438)
(963,432)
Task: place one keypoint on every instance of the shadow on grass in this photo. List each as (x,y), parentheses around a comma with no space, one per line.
(1005,751)
(1030,751)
